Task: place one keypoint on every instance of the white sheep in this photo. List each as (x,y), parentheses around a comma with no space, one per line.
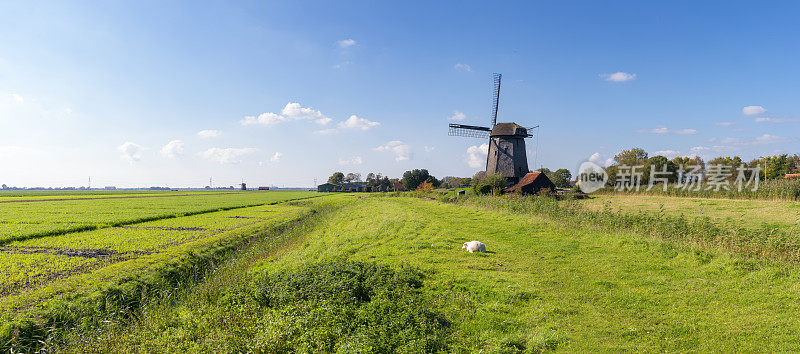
(474,246)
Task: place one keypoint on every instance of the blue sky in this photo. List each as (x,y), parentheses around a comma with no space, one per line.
(120,91)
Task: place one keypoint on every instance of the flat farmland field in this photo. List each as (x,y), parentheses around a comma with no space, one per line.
(386,272)
(30,216)
(57,250)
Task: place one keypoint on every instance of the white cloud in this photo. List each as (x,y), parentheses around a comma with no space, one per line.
(323,121)
(131,151)
(462,67)
(725,124)
(173,149)
(666,153)
(265,119)
(731,141)
(401,150)
(597,158)
(356,160)
(326,132)
(457,116)
(226,155)
(295,111)
(292,111)
(17,98)
(476,155)
(206,134)
(276,157)
(753,110)
(346,43)
(10,151)
(430,148)
(776,120)
(358,123)
(769,139)
(699,148)
(618,76)
(664,130)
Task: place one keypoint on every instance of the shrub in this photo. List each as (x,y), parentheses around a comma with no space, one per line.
(488,183)
(426,186)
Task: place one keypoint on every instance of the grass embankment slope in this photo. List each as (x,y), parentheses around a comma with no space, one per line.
(545,284)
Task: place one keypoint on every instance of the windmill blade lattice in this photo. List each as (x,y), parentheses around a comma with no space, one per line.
(469,131)
(496,97)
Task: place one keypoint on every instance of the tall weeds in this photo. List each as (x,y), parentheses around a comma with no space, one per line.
(773,241)
(777,189)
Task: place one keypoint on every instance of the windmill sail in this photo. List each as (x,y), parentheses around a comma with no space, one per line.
(469,131)
(496,97)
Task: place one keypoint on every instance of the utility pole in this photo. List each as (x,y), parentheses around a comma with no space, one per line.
(90,183)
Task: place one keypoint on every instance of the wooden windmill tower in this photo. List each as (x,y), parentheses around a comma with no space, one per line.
(506,141)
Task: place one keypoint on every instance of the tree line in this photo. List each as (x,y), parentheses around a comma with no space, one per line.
(768,167)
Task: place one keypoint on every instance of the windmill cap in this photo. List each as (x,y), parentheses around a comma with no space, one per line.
(502,129)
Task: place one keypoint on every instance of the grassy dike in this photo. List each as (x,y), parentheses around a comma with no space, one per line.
(546,284)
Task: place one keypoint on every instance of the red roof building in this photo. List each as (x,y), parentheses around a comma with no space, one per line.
(532,183)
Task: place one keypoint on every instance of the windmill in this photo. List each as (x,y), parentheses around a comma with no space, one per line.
(506,141)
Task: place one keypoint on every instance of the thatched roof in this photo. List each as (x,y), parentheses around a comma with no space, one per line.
(509,129)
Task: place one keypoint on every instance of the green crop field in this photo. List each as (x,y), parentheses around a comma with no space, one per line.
(28,217)
(59,249)
(385,273)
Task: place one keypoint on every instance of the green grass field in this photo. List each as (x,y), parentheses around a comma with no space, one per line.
(744,212)
(354,274)
(119,245)
(39,215)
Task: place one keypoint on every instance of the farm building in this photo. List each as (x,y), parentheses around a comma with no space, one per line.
(327,187)
(792,176)
(532,183)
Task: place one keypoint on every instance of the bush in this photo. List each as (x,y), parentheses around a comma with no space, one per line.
(484,184)
(426,186)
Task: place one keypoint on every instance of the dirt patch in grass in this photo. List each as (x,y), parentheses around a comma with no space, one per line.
(106,257)
(115,197)
(162,228)
(87,253)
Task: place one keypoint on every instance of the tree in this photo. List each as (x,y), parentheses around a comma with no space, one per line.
(336,178)
(412,179)
(489,183)
(383,183)
(352,177)
(660,164)
(545,170)
(5,186)
(561,177)
(630,157)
